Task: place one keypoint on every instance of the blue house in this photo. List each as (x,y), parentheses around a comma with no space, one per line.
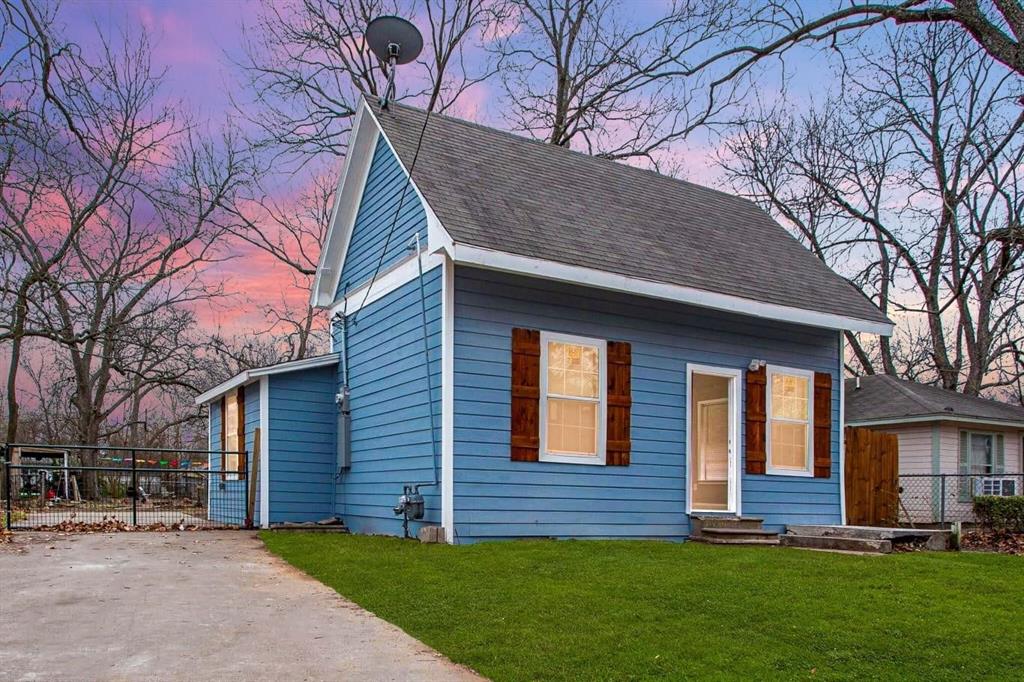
(550,345)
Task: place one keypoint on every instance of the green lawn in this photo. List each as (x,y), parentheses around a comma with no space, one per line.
(546,610)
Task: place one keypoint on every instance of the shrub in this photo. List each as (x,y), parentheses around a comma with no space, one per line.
(112,487)
(1000,513)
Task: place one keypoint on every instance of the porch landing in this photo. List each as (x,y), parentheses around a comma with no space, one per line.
(861,538)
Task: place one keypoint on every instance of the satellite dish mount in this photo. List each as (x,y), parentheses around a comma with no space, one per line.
(394,41)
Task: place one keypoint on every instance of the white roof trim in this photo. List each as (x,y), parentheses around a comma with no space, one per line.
(365,130)
(391,279)
(924,419)
(347,198)
(437,237)
(250,375)
(536,267)
(346,205)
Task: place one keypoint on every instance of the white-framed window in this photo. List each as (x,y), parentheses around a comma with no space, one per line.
(790,407)
(981,454)
(233,440)
(573,398)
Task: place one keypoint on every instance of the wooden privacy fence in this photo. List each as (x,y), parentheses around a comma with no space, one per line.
(872,477)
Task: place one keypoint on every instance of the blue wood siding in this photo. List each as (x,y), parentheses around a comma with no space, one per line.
(228,498)
(498,498)
(385,183)
(302,424)
(391,419)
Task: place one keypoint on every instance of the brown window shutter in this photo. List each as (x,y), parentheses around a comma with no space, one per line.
(756,416)
(620,402)
(223,435)
(525,395)
(822,425)
(242,459)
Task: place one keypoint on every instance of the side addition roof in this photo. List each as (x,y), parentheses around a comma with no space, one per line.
(882,399)
(250,375)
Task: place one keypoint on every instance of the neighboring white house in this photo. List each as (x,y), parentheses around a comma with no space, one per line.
(951,446)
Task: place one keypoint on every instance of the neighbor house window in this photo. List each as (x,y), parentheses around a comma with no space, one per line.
(981,454)
(233,431)
(572,406)
(789,407)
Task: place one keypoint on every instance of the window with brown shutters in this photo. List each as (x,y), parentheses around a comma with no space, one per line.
(789,418)
(620,402)
(756,416)
(822,425)
(575,394)
(525,395)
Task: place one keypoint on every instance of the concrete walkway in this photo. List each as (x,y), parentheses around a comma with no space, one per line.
(187,606)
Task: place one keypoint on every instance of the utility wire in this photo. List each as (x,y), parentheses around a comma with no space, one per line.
(398,212)
(423,307)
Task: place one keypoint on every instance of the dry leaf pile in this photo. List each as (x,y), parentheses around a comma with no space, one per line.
(1004,542)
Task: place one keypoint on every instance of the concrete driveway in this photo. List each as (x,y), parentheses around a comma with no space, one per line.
(187,606)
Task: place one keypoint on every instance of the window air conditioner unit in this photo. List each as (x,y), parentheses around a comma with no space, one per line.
(999,486)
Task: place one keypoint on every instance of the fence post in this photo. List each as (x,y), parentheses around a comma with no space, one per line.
(246,519)
(135,492)
(942,500)
(7,487)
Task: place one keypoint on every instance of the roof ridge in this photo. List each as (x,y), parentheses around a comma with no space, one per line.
(551,148)
(901,386)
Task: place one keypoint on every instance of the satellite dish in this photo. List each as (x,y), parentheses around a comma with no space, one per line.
(394,40)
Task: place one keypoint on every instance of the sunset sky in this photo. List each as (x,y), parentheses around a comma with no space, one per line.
(199,42)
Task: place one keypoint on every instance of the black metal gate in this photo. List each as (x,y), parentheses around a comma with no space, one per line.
(78,487)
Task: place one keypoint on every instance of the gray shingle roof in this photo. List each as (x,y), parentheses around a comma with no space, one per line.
(882,397)
(499,191)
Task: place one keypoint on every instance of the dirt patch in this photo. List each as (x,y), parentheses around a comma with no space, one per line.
(1004,542)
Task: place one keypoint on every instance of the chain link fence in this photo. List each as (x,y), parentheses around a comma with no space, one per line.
(946,498)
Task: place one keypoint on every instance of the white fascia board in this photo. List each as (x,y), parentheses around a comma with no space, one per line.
(924,419)
(296,365)
(264,453)
(448,400)
(561,272)
(250,375)
(842,428)
(347,197)
(239,379)
(365,131)
(389,280)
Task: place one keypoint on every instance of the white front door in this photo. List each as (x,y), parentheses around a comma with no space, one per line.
(712,471)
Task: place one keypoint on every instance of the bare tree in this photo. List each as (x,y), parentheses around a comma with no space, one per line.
(293,234)
(71,129)
(588,74)
(908,181)
(772,28)
(307,65)
(112,209)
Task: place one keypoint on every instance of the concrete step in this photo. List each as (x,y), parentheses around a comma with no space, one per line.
(712,540)
(933,539)
(836,543)
(341,530)
(701,521)
(312,527)
(738,536)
